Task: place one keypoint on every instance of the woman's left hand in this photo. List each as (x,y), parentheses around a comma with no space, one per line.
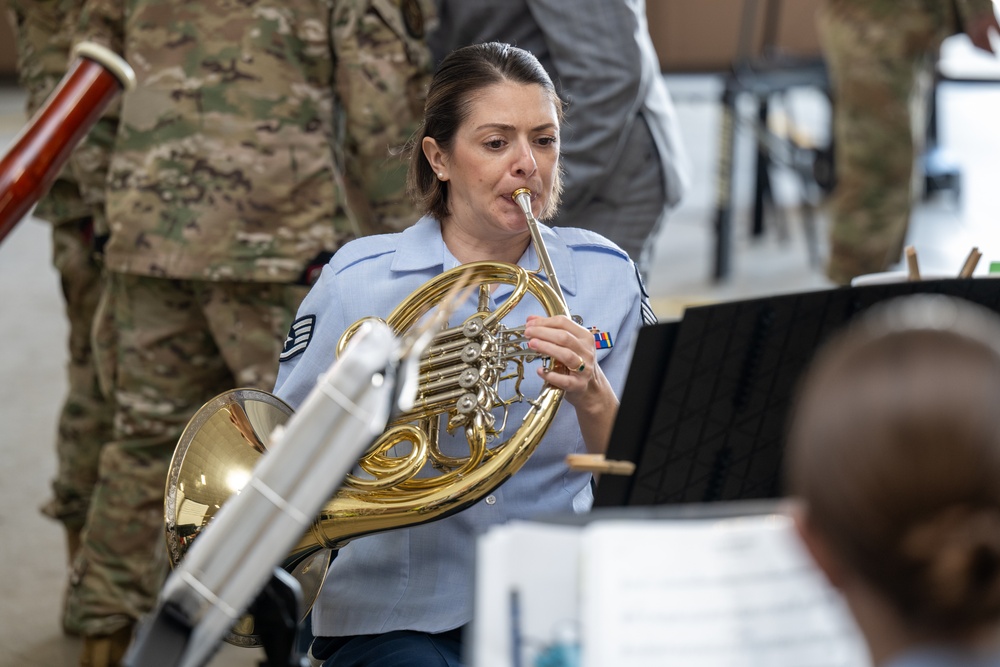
(572,347)
(575,370)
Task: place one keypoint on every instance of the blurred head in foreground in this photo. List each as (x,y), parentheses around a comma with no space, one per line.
(894,453)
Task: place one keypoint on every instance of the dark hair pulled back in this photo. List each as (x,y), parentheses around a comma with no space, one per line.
(461,75)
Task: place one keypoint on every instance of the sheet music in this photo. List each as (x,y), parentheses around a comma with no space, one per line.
(738,592)
(527,593)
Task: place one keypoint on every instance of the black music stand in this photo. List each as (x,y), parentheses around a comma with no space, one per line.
(704,409)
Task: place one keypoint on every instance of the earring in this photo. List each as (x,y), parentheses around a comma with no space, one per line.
(441,175)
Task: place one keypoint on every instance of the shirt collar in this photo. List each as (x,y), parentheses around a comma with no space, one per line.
(415,253)
(937,656)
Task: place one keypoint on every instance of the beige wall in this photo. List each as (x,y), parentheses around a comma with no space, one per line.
(8,52)
(700,35)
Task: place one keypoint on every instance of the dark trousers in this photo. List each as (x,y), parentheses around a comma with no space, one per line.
(400,648)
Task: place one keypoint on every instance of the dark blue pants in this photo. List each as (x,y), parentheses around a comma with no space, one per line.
(400,648)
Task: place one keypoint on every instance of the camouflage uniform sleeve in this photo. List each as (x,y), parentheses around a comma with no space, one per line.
(90,163)
(383,66)
(42,47)
(100,21)
(42,29)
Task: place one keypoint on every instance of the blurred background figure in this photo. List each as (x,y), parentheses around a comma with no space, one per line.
(881,56)
(622,157)
(251,126)
(43,29)
(894,453)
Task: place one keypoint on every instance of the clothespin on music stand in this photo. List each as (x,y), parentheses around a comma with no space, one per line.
(912,267)
(598,464)
(970,263)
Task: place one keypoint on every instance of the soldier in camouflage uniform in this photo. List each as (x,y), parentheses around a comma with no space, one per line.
(252,125)
(880,55)
(43,34)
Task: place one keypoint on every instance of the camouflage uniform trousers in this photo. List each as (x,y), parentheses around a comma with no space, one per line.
(880,66)
(85,420)
(179,343)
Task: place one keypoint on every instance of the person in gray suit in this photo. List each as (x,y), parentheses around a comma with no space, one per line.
(623,161)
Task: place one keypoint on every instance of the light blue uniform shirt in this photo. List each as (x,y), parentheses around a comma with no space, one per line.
(421,578)
(943,656)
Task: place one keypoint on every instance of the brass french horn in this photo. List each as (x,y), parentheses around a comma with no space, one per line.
(404,478)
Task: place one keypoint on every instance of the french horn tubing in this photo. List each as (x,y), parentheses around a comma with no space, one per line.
(404,478)
(95,77)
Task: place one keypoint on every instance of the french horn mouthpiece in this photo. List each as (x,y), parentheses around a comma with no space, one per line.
(523,198)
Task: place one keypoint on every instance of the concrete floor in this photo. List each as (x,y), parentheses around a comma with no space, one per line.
(32,570)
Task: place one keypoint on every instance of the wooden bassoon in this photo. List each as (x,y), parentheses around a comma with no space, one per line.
(36,156)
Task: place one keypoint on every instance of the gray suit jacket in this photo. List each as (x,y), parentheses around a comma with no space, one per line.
(601,58)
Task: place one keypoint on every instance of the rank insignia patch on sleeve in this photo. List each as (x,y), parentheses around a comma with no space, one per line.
(299,335)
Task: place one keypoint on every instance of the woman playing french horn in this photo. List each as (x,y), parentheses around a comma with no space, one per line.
(491,127)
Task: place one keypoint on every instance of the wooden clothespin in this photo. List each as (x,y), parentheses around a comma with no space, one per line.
(970,263)
(911,263)
(598,464)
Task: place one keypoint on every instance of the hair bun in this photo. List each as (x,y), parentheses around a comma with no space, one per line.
(956,556)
